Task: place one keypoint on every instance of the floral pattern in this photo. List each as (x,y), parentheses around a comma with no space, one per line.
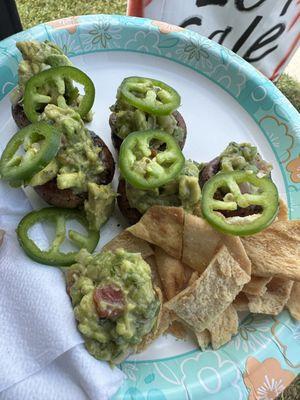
(196,53)
(229,75)
(253,332)
(135,394)
(296,333)
(278,134)
(257,96)
(212,374)
(208,370)
(68,43)
(70,24)
(7,80)
(103,34)
(294,168)
(144,41)
(266,380)
(164,27)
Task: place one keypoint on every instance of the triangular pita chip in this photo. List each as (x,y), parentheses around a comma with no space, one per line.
(201,242)
(275,251)
(162,324)
(179,330)
(173,273)
(293,304)
(154,274)
(130,243)
(203,338)
(223,327)
(240,303)
(211,294)
(274,300)
(162,226)
(257,286)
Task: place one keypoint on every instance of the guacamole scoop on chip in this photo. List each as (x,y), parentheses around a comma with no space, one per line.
(114,302)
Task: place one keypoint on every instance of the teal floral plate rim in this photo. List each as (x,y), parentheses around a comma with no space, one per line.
(264,357)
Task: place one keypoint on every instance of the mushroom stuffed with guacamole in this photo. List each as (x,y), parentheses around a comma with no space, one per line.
(183,191)
(242,157)
(81,167)
(81,172)
(114,302)
(39,57)
(143,104)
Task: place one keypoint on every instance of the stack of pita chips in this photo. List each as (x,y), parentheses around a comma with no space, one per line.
(206,276)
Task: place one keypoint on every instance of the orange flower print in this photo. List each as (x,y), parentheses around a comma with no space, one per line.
(164,27)
(70,24)
(294,168)
(266,380)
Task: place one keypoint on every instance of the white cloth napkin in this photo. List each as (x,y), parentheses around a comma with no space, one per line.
(41,351)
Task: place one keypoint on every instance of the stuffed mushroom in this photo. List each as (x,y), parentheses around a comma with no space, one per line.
(236,157)
(183,191)
(142,104)
(38,57)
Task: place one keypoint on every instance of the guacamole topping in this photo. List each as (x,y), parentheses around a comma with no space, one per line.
(78,158)
(77,165)
(243,157)
(37,57)
(100,204)
(114,301)
(130,119)
(184,192)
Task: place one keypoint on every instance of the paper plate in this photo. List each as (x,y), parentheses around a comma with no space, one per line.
(223,99)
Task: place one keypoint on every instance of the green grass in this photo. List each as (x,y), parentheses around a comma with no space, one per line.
(291,89)
(33,12)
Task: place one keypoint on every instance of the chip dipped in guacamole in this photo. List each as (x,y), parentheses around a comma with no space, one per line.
(114,302)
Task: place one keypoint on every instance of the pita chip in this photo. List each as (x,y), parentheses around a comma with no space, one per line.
(240,303)
(274,300)
(162,324)
(179,330)
(203,338)
(223,327)
(162,226)
(275,251)
(173,273)
(237,250)
(201,242)
(199,304)
(131,243)
(194,276)
(154,273)
(257,286)
(293,304)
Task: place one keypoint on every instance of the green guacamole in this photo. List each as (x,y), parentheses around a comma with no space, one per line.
(77,165)
(114,301)
(243,157)
(184,192)
(100,204)
(130,119)
(37,57)
(77,162)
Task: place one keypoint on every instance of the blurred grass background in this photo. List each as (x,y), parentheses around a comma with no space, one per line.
(33,12)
